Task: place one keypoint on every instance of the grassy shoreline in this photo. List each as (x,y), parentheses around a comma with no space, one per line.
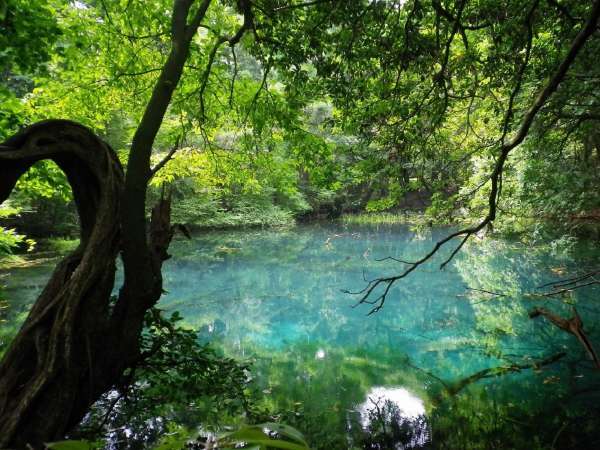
(385,218)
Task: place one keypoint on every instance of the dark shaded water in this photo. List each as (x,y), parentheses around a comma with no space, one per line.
(275,297)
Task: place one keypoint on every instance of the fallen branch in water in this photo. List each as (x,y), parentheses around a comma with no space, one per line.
(498,294)
(492,372)
(572,283)
(574,326)
(453,388)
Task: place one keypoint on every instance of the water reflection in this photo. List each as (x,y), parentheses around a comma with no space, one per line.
(409,406)
(277,301)
(393,418)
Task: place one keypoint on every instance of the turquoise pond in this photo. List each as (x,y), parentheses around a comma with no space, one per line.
(277,298)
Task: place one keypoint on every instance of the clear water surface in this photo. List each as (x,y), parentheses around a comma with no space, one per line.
(276,298)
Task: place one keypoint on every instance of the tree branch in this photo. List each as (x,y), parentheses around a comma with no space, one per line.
(166,159)
(574,326)
(140,269)
(495,178)
(302,5)
(191,29)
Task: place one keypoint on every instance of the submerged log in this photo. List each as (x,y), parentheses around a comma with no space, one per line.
(452,388)
(457,386)
(573,325)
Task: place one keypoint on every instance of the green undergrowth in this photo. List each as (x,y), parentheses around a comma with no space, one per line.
(525,230)
(386,218)
(38,253)
(59,245)
(209,214)
(247,218)
(9,261)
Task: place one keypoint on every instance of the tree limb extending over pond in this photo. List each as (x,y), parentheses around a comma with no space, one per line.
(367,294)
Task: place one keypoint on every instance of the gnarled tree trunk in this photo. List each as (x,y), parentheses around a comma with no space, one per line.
(76,341)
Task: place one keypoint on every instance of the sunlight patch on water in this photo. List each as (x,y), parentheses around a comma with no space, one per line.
(394,418)
(409,405)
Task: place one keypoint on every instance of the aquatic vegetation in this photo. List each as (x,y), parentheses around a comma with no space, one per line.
(276,301)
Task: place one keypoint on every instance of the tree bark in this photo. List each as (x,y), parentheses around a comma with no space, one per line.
(56,366)
(77,341)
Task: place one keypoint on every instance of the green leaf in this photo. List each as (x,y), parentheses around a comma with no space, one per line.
(245,434)
(176,444)
(69,445)
(254,435)
(285,431)
(277,443)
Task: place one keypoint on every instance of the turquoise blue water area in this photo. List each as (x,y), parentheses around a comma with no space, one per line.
(277,298)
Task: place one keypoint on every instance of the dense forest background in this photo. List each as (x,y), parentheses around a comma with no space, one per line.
(481,114)
(388,106)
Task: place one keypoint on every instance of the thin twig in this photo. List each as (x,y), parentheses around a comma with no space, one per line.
(166,159)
